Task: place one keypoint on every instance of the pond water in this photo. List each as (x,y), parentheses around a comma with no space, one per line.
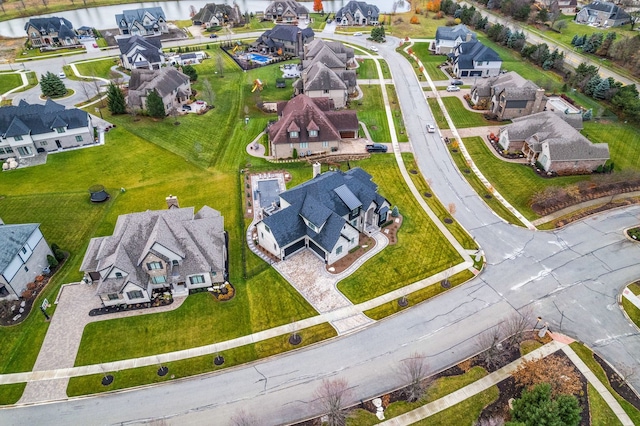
(104,17)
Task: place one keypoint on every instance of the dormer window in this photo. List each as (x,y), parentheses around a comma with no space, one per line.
(154,265)
(313,133)
(60,129)
(293,134)
(118,274)
(17,138)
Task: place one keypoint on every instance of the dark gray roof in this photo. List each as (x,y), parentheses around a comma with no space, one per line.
(368,10)
(472,51)
(319,77)
(223,12)
(318,200)
(164,81)
(137,15)
(615,12)
(149,47)
(37,119)
(12,239)
(62,26)
(565,142)
(286,33)
(197,238)
(452,33)
(290,5)
(511,85)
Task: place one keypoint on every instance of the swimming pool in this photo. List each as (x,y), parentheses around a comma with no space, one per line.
(258,58)
(269,192)
(555,103)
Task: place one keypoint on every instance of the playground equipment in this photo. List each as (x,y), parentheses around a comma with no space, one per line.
(257,84)
(235,48)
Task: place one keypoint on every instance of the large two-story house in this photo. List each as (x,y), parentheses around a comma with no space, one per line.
(213,14)
(171,85)
(327,72)
(158,250)
(474,59)
(139,52)
(448,38)
(509,96)
(310,126)
(23,256)
(51,31)
(148,21)
(27,129)
(285,40)
(325,214)
(357,13)
(286,11)
(552,140)
(603,14)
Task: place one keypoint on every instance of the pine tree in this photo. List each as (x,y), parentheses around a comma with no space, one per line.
(52,86)
(602,90)
(537,407)
(574,40)
(191,72)
(591,85)
(115,100)
(154,105)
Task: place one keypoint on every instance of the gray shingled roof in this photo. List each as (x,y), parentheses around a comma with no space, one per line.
(164,81)
(285,32)
(319,77)
(137,15)
(353,6)
(148,47)
(565,142)
(452,33)
(223,12)
(318,201)
(37,119)
(62,26)
(511,84)
(474,51)
(614,11)
(199,239)
(12,239)
(291,5)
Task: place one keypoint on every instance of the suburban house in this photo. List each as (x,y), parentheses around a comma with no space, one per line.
(326,73)
(173,250)
(309,126)
(553,140)
(474,59)
(138,52)
(357,13)
(326,214)
(287,40)
(191,58)
(567,7)
(448,38)
(508,96)
(27,129)
(288,11)
(212,15)
(148,21)
(23,256)
(603,14)
(52,31)
(173,86)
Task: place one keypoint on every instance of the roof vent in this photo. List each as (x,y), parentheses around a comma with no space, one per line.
(172,202)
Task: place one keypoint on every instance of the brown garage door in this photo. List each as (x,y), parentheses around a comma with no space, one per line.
(349,134)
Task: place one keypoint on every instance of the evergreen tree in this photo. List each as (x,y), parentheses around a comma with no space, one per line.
(154,105)
(602,90)
(536,407)
(587,115)
(591,86)
(191,72)
(52,86)
(115,100)
(574,40)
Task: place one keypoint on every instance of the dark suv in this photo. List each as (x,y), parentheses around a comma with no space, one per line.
(457,82)
(376,147)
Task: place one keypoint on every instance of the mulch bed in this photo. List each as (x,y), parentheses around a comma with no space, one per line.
(618,384)
(124,308)
(584,213)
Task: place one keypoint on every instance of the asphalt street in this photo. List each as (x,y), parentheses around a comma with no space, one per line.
(570,277)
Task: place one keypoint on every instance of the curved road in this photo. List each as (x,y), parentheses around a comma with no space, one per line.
(570,277)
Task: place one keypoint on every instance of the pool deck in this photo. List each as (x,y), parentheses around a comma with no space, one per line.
(255,179)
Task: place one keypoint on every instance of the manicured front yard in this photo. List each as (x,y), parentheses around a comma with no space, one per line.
(100,68)
(463,413)
(371,112)
(601,413)
(438,115)
(9,81)
(631,310)
(462,117)
(430,61)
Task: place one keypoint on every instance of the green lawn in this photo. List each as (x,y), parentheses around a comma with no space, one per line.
(9,82)
(371,112)
(438,115)
(463,413)
(100,68)
(481,190)
(516,182)
(601,413)
(386,271)
(634,288)
(318,21)
(631,310)
(10,394)
(430,61)
(123,379)
(32,79)
(396,112)
(623,140)
(366,69)
(35,53)
(586,356)
(462,117)
(438,389)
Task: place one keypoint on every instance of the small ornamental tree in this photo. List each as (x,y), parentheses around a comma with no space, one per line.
(191,72)
(115,100)
(317,6)
(154,105)
(52,86)
(537,407)
(52,261)
(395,212)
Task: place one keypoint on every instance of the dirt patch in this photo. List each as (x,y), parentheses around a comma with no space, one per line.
(9,48)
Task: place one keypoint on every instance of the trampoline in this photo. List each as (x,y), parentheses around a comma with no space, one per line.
(98,194)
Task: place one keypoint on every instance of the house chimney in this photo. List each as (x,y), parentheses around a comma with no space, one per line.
(1,221)
(316,169)
(539,103)
(172,202)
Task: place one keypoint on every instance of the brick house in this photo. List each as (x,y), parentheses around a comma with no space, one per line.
(171,85)
(509,96)
(148,21)
(286,11)
(357,13)
(52,31)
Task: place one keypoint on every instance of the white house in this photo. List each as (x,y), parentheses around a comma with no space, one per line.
(448,38)
(141,52)
(474,59)
(23,256)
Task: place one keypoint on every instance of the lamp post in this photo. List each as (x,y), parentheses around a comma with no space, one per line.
(535,327)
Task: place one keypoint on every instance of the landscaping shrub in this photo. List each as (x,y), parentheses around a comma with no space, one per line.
(59,255)
(52,261)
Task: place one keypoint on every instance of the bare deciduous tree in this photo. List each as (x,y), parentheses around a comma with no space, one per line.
(516,325)
(242,418)
(490,343)
(414,371)
(332,395)
(207,92)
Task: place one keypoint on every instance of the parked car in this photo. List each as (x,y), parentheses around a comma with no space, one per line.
(373,48)
(431,128)
(95,45)
(456,82)
(62,75)
(213,35)
(376,147)
(453,89)
(186,107)
(357,34)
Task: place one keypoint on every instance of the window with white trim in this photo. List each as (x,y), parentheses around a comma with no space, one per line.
(304,144)
(313,133)
(112,296)
(78,138)
(135,294)
(17,138)
(293,134)
(196,279)
(60,129)
(154,265)
(325,144)
(160,279)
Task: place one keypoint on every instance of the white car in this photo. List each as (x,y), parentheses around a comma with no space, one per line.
(62,75)
(357,34)
(453,89)
(373,48)
(431,128)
